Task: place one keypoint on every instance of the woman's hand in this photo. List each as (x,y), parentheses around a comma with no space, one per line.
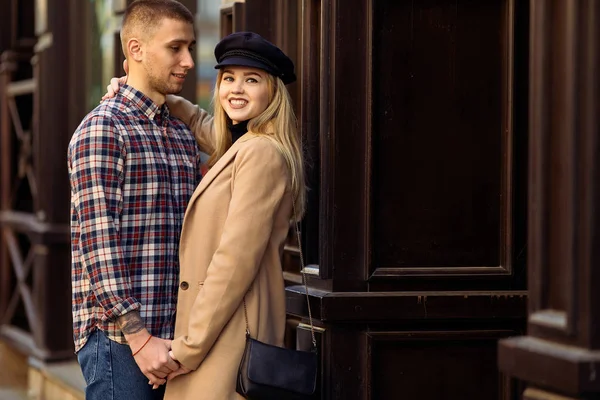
(181,371)
(115,83)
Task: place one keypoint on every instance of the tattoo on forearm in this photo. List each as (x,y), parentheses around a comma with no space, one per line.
(131,323)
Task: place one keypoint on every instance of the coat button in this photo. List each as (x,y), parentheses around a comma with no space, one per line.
(184,285)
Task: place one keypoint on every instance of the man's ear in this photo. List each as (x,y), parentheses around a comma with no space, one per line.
(134,48)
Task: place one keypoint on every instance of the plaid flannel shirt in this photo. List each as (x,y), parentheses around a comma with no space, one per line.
(132,169)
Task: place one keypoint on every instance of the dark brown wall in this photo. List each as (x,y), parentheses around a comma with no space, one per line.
(414,115)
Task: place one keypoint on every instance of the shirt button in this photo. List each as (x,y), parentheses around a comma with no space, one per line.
(184,285)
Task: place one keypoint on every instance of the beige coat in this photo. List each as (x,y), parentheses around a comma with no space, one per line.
(231,245)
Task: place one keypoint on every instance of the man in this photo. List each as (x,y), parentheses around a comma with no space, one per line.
(132,169)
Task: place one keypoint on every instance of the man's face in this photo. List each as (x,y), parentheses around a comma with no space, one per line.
(168,56)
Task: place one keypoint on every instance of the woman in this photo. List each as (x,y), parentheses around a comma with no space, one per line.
(238,218)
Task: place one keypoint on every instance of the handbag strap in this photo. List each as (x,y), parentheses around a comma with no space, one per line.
(312,328)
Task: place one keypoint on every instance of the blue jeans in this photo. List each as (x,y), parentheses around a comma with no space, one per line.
(110,372)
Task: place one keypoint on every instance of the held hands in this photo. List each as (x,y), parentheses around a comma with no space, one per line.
(181,371)
(152,355)
(153,360)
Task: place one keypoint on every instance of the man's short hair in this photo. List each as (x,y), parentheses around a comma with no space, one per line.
(144,16)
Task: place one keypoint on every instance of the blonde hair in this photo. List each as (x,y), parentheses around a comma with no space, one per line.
(277,123)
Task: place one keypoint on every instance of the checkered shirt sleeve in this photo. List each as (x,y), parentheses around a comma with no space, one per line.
(97,177)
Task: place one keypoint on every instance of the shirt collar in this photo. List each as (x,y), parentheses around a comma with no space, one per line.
(144,103)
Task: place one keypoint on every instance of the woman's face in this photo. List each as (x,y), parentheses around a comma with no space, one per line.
(243,92)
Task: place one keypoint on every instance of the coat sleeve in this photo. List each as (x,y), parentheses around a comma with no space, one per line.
(260,182)
(199,121)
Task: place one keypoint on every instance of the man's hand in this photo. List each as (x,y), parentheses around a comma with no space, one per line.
(154,361)
(181,371)
(151,354)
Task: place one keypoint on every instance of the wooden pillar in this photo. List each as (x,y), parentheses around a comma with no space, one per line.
(560,356)
(16,43)
(7,67)
(49,234)
(5,26)
(5,33)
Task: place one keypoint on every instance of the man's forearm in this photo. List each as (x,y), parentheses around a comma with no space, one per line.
(150,353)
(131,323)
(134,329)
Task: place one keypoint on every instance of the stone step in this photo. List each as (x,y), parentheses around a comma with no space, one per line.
(23,378)
(13,394)
(13,378)
(56,381)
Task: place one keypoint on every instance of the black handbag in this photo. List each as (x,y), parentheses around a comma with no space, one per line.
(270,372)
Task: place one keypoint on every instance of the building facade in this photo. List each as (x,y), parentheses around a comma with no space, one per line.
(451,233)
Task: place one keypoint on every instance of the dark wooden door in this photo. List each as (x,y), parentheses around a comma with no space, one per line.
(414,116)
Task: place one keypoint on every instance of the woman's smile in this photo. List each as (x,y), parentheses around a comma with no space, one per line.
(238,103)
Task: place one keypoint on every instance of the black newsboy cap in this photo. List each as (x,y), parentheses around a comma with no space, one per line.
(252,50)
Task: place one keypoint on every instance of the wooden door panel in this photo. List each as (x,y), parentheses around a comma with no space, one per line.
(435,365)
(437,143)
(422,141)
(442,138)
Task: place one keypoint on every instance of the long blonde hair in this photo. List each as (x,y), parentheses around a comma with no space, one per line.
(278,122)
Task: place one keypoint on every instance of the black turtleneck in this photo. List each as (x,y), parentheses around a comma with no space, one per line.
(237,130)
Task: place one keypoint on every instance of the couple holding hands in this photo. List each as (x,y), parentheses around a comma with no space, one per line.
(165,262)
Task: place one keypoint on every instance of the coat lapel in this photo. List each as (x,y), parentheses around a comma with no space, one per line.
(217,168)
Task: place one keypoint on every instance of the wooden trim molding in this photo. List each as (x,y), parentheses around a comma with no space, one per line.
(327,135)
(565,368)
(309,77)
(333,307)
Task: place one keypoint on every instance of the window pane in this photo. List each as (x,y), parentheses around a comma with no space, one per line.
(102,27)
(207,37)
